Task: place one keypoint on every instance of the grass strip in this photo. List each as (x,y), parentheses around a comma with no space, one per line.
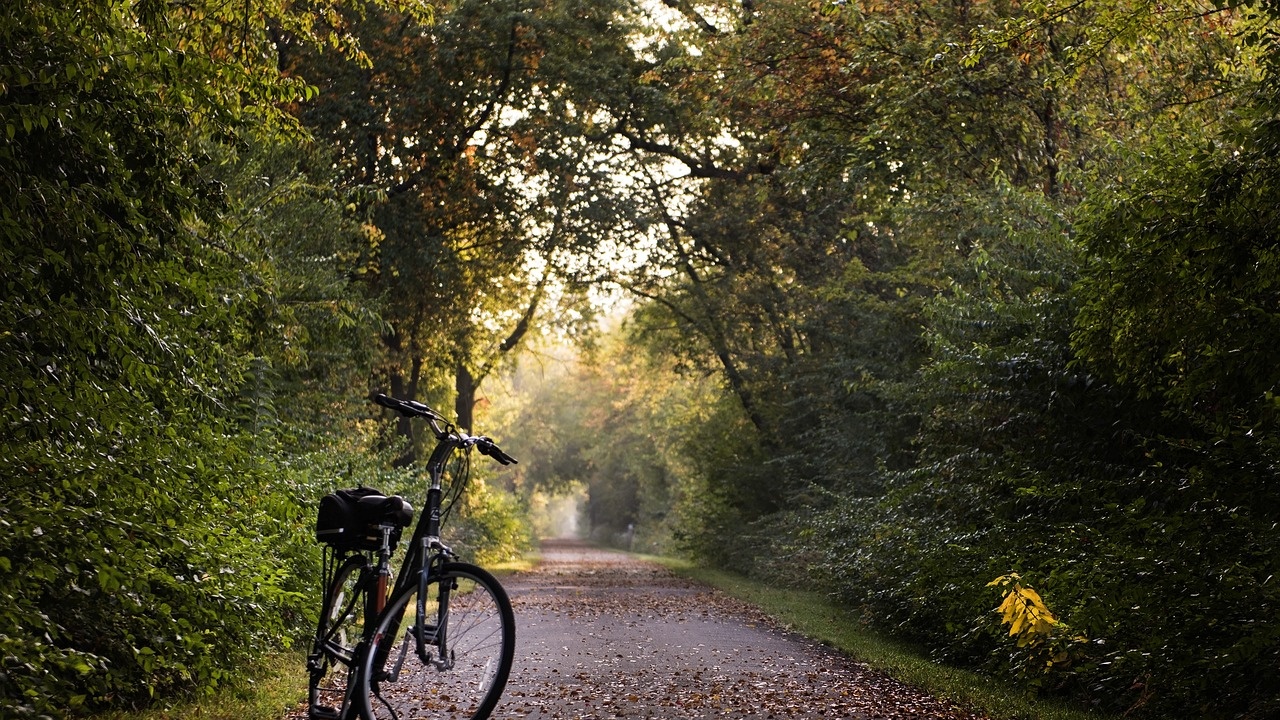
(816,616)
(275,686)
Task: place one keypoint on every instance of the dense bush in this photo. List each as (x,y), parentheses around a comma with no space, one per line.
(153,534)
(142,571)
(1146,524)
(1141,515)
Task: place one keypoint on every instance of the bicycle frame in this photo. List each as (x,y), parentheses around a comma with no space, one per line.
(425,550)
(426,533)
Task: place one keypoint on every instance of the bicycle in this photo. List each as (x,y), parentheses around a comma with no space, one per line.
(437,643)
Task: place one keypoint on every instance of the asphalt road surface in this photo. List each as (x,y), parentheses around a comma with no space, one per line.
(604,635)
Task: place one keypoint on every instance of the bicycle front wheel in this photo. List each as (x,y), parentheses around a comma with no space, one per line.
(450,663)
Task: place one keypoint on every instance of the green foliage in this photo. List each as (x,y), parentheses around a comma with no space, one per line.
(1181,299)
(1179,307)
(490,525)
(313,332)
(110,387)
(1095,495)
(997,380)
(151,541)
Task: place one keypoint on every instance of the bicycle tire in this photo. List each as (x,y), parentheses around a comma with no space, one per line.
(335,647)
(396,683)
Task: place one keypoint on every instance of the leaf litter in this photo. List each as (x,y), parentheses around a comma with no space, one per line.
(605,635)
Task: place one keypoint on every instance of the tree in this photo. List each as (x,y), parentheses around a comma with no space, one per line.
(461,135)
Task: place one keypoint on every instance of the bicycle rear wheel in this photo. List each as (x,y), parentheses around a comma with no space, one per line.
(333,654)
(469,640)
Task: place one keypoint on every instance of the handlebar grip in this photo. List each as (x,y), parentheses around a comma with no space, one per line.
(488,447)
(412,408)
(385,401)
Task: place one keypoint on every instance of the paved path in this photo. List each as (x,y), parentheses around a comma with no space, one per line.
(603,635)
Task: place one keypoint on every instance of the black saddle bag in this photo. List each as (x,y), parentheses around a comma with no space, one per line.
(353,519)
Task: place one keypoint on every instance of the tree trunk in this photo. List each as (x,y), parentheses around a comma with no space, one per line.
(404,388)
(465,402)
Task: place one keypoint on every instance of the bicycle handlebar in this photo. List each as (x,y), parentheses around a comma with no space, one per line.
(412,408)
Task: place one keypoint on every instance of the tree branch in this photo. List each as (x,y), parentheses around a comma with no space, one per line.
(503,85)
(712,330)
(685,8)
(697,168)
(486,115)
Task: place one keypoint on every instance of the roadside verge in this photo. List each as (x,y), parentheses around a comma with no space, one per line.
(817,616)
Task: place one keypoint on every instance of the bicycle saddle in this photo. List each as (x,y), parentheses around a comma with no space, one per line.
(390,510)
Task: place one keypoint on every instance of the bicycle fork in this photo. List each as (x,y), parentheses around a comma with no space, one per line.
(437,634)
(430,640)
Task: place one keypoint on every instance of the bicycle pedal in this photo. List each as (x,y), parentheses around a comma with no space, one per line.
(322,712)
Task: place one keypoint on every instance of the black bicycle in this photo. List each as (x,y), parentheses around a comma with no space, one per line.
(438,641)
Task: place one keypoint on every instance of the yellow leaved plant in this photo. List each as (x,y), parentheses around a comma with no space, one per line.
(1048,642)
(1028,618)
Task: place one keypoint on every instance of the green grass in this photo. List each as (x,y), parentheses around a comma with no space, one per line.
(816,616)
(277,685)
(511,567)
